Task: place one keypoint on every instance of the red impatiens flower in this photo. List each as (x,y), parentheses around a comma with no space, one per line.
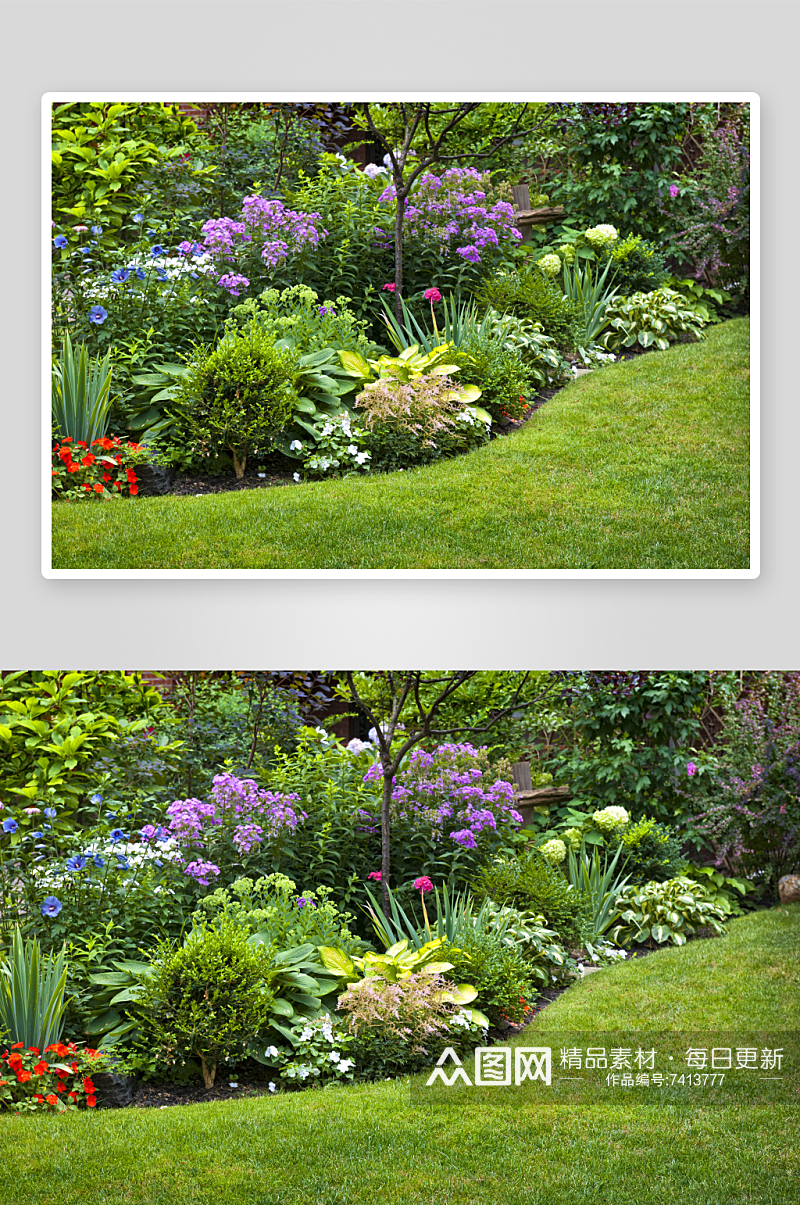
(23,1076)
(91,1101)
(88,459)
(65,454)
(134,489)
(81,443)
(16,1046)
(73,1095)
(52,1099)
(68,440)
(98,489)
(129,473)
(88,1086)
(33,1049)
(61,1087)
(41,1068)
(106,476)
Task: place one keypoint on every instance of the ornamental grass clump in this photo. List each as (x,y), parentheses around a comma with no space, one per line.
(419,421)
(403,1026)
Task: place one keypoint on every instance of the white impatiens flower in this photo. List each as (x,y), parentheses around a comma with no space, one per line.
(296,476)
(598,236)
(550,265)
(271,1052)
(295,446)
(610,818)
(362,456)
(346,1064)
(554,851)
(334,1056)
(271,1086)
(307,1033)
(352,449)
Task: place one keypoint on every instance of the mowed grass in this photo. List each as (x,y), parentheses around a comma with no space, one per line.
(643,465)
(361,1144)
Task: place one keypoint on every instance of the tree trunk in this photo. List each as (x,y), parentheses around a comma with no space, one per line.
(209,1072)
(386,803)
(398,255)
(238,463)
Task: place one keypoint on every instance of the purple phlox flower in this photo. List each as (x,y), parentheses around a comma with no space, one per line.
(233,283)
(184,248)
(302,902)
(201,871)
(98,315)
(465,837)
(51,906)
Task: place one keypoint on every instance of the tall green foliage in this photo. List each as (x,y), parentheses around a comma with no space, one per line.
(32,1002)
(81,392)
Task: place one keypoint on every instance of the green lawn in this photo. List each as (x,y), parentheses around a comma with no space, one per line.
(359,1145)
(644,465)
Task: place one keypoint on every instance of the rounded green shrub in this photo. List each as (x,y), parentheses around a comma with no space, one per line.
(209,997)
(505,380)
(651,852)
(530,883)
(531,294)
(637,266)
(239,395)
(499,973)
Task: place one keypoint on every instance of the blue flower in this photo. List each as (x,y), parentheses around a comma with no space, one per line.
(77,862)
(59,241)
(37,835)
(96,800)
(51,906)
(140,274)
(157,250)
(138,217)
(111,815)
(152,233)
(84,250)
(119,277)
(50,813)
(10,826)
(47,826)
(161,274)
(158,862)
(97,229)
(98,315)
(123,861)
(117,835)
(98,861)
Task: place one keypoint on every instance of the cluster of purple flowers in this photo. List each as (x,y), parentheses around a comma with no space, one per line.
(238,807)
(445,789)
(454,211)
(281,232)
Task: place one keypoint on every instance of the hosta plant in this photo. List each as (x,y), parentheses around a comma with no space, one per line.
(666,912)
(650,320)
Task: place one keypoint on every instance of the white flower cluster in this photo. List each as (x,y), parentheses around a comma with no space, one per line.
(550,264)
(598,236)
(554,851)
(610,818)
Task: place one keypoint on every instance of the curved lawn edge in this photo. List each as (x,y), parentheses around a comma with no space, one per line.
(643,465)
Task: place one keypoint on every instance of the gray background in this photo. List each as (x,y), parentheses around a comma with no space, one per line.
(336,47)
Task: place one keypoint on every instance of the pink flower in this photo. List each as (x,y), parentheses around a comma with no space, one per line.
(424,884)
(674,190)
(691,769)
(390,288)
(376,875)
(30,811)
(432,295)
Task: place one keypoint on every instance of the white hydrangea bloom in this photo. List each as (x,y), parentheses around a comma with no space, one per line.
(610,818)
(554,851)
(550,265)
(598,236)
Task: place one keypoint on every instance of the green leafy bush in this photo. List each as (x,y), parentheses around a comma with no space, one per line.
(649,319)
(666,912)
(530,883)
(530,294)
(313,325)
(239,395)
(650,851)
(32,1001)
(208,997)
(637,265)
(505,379)
(502,977)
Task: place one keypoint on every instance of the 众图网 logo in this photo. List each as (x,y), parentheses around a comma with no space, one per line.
(493,1067)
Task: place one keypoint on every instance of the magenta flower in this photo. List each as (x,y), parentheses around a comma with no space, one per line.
(424,884)
(674,190)
(389,288)
(377,875)
(432,295)
(691,769)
